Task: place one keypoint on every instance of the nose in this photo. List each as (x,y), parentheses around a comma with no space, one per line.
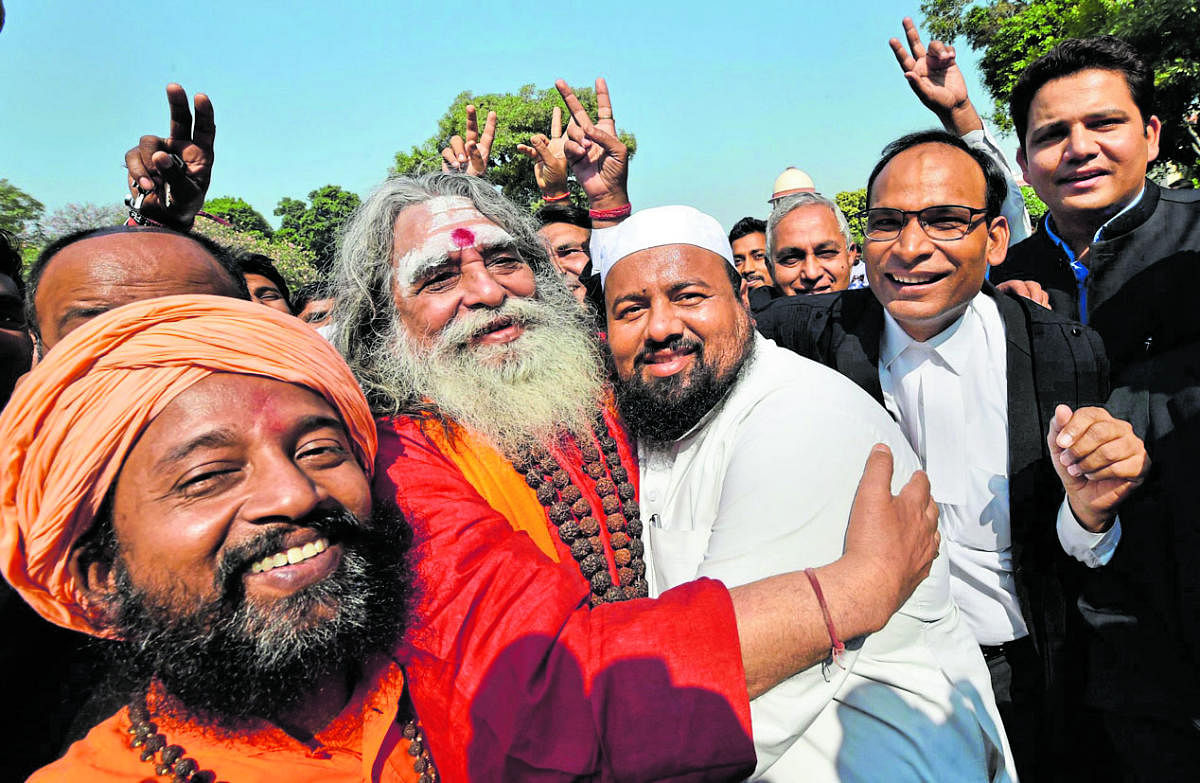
(1081,143)
(913,243)
(280,491)
(663,325)
(480,287)
(811,271)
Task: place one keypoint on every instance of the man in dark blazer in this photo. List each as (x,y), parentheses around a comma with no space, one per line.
(932,229)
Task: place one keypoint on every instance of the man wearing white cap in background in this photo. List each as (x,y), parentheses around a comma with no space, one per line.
(738,481)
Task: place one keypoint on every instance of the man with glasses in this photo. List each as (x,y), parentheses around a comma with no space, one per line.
(988,389)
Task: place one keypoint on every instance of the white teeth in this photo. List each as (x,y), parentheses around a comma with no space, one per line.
(910,280)
(292,556)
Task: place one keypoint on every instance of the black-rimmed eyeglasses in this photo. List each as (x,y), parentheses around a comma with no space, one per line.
(945,222)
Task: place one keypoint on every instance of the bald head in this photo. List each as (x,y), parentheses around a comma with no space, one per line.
(101,272)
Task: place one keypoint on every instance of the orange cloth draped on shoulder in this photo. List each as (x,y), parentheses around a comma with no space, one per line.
(67,429)
(364,742)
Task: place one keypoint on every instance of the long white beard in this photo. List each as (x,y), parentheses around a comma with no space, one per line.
(547,382)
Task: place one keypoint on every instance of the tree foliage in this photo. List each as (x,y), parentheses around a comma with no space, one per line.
(240,215)
(17,208)
(1011,34)
(520,115)
(852,202)
(1034,205)
(77,217)
(314,226)
(295,264)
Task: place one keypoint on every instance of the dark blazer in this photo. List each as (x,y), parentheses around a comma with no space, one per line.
(1051,360)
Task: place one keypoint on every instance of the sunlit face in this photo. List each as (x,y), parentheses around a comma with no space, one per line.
(317,312)
(1087,146)
(264,291)
(101,273)
(750,258)
(809,252)
(450,260)
(230,463)
(569,246)
(926,284)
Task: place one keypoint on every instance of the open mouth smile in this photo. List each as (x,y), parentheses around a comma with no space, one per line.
(915,279)
(504,329)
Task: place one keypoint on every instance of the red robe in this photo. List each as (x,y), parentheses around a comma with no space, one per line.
(515,678)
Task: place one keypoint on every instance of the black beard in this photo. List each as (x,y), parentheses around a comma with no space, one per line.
(232,661)
(663,410)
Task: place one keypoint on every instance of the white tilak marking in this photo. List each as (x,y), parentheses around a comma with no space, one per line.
(440,244)
(449,209)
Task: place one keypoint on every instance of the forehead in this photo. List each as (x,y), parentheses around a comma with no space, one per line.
(249,408)
(415,225)
(929,174)
(128,267)
(1092,89)
(556,233)
(254,280)
(811,222)
(749,242)
(665,266)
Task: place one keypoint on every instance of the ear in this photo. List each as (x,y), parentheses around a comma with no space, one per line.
(1023,162)
(998,234)
(744,295)
(1153,130)
(96,579)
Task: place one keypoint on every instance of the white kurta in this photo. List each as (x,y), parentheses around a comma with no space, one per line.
(764,485)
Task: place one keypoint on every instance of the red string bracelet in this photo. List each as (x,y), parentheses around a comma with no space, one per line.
(552,199)
(837,647)
(611,214)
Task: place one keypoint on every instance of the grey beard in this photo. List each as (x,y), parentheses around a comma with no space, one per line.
(547,382)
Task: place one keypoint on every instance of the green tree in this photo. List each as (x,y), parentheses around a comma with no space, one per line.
(520,115)
(852,202)
(1010,34)
(296,264)
(77,217)
(1034,205)
(240,215)
(314,226)
(17,208)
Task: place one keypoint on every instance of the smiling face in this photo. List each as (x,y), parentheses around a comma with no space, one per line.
(926,284)
(750,258)
(264,291)
(451,261)
(809,252)
(569,246)
(678,333)
(1087,147)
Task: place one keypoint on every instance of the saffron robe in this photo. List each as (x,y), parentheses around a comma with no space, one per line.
(513,676)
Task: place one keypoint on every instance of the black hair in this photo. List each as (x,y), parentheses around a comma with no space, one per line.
(222,256)
(993,176)
(258,264)
(745,227)
(563,213)
(10,261)
(1105,52)
(317,289)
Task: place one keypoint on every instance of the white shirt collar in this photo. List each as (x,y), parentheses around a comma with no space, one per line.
(953,344)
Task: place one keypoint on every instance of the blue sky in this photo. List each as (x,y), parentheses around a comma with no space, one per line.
(720,96)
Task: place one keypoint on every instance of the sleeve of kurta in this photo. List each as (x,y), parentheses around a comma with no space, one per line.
(515,678)
(785,505)
(1013,209)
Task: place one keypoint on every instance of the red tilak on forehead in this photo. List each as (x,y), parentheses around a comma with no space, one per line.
(462,237)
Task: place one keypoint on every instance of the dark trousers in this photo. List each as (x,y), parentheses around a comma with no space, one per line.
(1019,686)
(1154,749)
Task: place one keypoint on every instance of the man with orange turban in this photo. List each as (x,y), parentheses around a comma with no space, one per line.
(189,475)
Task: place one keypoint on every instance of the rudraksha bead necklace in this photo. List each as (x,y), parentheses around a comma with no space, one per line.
(170,759)
(571,513)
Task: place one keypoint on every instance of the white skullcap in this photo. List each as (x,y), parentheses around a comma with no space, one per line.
(792,180)
(656,227)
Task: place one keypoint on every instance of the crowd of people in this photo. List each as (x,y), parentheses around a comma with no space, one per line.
(603,494)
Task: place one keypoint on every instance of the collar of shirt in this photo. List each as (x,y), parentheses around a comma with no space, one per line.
(1048,225)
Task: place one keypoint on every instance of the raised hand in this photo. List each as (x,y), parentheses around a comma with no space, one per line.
(549,159)
(1099,460)
(471,154)
(936,79)
(174,173)
(599,159)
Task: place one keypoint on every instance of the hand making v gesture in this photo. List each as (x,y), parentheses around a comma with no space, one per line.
(173,174)
(549,159)
(599,159)
(936,79)
(471,154)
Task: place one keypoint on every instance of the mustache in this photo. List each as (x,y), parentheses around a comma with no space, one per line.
(518,310)
(677,344)
(335,524)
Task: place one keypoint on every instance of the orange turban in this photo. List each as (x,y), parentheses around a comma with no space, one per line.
(70,424)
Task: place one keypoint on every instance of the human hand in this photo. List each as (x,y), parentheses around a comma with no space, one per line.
(1028,289)
(936,79)
(471,154)
(599,159)
(894,539)
(550,167)
(174,172)
(1099,460)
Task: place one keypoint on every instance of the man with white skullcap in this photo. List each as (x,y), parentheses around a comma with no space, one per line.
(748,458)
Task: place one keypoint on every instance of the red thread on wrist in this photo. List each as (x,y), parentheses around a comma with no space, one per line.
(611,214)
(837,647)
(552,199)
